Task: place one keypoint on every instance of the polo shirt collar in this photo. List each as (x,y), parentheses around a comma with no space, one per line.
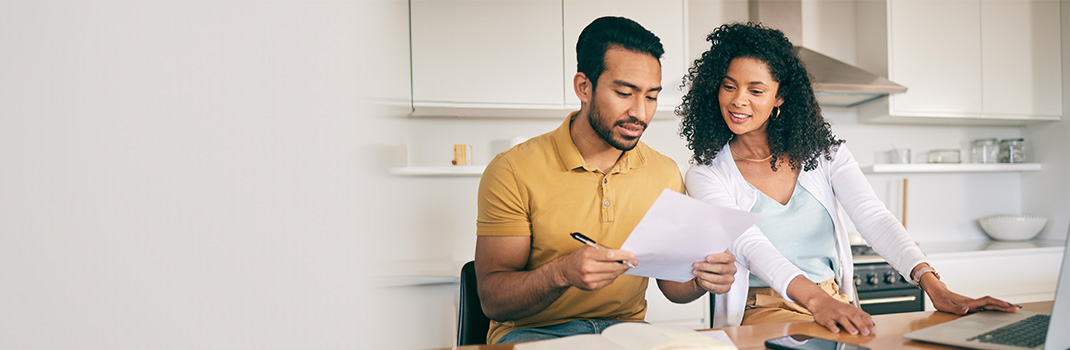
(572,159)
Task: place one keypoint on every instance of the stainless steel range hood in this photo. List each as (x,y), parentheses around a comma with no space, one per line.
(836,83)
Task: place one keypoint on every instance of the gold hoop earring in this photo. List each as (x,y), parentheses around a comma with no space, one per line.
(777,112)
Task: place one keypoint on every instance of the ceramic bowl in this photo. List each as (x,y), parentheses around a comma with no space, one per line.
(1012,227)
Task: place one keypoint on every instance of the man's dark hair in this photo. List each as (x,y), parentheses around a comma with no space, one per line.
(607,32)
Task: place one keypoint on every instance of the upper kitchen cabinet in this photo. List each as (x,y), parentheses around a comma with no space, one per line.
(665,18)
(486,57)
(492,58)
(963,62)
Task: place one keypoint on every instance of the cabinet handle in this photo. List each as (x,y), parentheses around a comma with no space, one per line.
(887,300)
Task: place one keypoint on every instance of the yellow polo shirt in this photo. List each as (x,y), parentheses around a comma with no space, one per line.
(544,189)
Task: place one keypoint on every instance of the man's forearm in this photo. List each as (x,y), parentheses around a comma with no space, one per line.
(511,295)
(681,293)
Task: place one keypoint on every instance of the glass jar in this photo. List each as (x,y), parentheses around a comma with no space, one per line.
(943,156)
(984,150)
(1012,151)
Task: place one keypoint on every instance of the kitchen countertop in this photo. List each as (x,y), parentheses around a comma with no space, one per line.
(987,246)
(410,273)
(980,247)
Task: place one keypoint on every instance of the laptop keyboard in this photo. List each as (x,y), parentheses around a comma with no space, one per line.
(1029,333)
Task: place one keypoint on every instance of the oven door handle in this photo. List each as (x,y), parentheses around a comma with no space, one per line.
(888,300)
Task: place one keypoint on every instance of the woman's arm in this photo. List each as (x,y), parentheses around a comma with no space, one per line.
(752,249)
(872,219)
(891,240)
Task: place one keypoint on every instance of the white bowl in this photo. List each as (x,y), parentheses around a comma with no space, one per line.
(1012,227)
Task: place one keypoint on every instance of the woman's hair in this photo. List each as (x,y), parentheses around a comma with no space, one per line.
(799,132)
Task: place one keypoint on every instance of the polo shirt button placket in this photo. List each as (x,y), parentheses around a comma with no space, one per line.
(607,215)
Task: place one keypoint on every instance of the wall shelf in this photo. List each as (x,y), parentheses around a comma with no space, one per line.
(421,109)
(441,171)
(949,168)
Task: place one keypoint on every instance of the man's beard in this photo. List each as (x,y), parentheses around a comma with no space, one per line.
(606,131)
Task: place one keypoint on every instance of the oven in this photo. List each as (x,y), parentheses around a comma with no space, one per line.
(881,289)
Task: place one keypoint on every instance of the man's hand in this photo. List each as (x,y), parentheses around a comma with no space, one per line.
(509,292)
(717,273)
(591,268)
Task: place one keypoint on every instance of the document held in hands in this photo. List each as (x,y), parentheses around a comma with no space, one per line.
(678,231)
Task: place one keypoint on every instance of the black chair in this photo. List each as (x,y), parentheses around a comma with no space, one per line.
(472,324)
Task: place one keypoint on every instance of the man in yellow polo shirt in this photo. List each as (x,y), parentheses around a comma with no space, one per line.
(591,175)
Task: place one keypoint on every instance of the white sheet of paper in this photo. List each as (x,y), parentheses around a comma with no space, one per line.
(719,335)
(678,231)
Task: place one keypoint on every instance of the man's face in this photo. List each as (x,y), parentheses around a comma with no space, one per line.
(625,98)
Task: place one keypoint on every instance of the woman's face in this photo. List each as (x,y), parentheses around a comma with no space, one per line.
(748,95)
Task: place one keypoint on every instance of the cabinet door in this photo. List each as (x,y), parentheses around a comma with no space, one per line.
(1021,65)
(665,18)
(935,51)
(486,52)
(661,311)
(1014,277)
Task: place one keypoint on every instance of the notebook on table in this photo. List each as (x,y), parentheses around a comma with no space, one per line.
(1001,330)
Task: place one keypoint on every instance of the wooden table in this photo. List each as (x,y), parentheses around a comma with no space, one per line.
(890,330)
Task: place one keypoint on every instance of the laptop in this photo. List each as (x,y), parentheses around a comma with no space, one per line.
(997,330)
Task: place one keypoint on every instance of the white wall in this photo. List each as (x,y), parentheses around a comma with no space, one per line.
(186,174)
(1047,193)
(942,207)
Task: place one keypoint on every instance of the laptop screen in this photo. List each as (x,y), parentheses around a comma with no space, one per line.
(1058,337)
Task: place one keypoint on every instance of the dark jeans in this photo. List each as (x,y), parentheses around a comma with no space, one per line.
(557,331)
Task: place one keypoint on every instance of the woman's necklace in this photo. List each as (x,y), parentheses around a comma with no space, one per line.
(751,159)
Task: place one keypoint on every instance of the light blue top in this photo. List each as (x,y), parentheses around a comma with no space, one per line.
(802,231)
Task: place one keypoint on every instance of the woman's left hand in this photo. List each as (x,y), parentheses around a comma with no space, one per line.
(951,302)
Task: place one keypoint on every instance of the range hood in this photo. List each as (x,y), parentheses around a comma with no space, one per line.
(836,83)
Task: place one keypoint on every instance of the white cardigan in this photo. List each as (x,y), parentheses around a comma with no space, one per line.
(838,181)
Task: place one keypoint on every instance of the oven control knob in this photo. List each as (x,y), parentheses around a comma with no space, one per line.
(858,280)
(890,278)
(872,279)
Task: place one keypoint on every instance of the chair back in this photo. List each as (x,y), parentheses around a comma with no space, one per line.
(472,324)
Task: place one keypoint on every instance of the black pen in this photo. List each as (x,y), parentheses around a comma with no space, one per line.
(583,239)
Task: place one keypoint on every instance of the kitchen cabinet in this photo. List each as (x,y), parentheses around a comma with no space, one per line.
(486,53)
(662,17)
(662,312)
(964,62)
(1014,275)
(485,58)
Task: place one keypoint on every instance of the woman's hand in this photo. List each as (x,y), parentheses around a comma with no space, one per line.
(955,303)
(951,302)
(829,312)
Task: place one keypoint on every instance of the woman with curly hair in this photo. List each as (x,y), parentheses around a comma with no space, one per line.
(761,144)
